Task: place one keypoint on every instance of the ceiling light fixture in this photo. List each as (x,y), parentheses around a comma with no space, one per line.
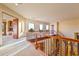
(16,4)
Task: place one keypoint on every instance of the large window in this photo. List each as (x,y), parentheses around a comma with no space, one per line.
(41,26)
(31,26)
(47,27)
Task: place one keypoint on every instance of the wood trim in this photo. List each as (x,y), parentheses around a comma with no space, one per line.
(17,28)
(70,39)
(16,23)
(8,14)
(59,37)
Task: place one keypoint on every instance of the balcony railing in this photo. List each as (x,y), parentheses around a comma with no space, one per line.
(55,45)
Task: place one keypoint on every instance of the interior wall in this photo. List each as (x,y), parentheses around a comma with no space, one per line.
(69,27)
(13,13)
(0,28)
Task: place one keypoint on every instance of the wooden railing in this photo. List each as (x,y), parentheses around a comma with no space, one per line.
(67,46)
(57,45)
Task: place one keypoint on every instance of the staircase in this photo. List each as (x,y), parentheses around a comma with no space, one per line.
(57,45)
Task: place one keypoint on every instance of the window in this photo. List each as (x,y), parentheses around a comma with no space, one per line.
(47,27)
(41,26)
(31,26)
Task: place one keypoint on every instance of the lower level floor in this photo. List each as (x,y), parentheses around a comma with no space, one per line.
(19,47)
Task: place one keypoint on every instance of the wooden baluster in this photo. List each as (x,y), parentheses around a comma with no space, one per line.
(71,51)
(57,46)
(51,46)
(60,48)
(66,48)
(78,48)
(71,48)
(47,47)
(36,42)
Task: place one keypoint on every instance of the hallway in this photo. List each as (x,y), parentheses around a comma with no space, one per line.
(39,29)
(18,47)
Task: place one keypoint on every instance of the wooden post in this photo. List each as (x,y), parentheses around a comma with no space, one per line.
(66,48)
(77,48)
(57,28)
(57,41)
(36,43)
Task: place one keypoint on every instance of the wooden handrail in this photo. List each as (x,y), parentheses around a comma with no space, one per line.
(70,39)
(56,37)
(67,39)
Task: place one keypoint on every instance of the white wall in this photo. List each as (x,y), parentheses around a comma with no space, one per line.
(0,28)
(69,27)
(15,14)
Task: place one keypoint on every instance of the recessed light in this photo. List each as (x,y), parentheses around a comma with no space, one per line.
(16,4)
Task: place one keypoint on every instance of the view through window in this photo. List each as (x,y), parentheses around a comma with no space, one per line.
(47,27)
(31,26)
(41,26)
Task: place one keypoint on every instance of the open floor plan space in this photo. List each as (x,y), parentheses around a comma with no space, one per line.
(39,29)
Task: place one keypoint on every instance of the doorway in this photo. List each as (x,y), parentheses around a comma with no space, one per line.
(10,28)
(4,28)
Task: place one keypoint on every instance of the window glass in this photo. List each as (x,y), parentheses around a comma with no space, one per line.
(41,26)
(47,27)
(31,26)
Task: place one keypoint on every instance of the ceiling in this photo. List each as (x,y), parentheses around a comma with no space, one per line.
(48,12)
